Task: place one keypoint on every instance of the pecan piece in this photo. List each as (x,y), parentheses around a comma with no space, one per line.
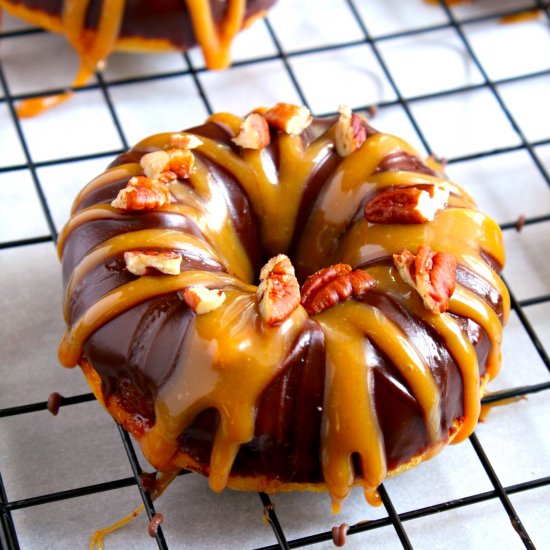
(406,204)
(166,177)
(254,133)
(155,163)
(181,162)
(432,274)
(350,132)
(140,263)
(185,141)
(334,284)
(289,118)
(142,193)
(202,299)
(278,293)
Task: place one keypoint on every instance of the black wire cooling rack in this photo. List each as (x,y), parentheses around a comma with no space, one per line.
(499,493)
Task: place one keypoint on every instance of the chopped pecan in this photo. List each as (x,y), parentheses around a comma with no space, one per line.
(181,162)
(406,204)
(289,118)
(155,163)
(350,132)
(166,177)
(202,299)
(278,293)
(254,133)
(331,285)
(140,262)
(432,274)
(185,141)
(142,193)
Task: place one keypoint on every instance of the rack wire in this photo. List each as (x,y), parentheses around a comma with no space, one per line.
(499,492)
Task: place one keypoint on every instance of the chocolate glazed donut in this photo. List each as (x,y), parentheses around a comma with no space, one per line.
(365,347)
(95,28)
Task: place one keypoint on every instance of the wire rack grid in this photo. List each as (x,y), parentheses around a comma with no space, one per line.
(374,53)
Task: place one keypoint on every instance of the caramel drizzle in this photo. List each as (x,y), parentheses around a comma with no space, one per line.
(216,223)
(92,51)
(280,196)
(349,420)
(124,297)
(94,46)
(461,232)
(146,238)
(123,173)
(96,541)
(215,40)
(341,196)
(220,366)
(466,304)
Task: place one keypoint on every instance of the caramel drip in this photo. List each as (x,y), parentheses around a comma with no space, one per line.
(215,40)
(341,197)
(161,484)
(373,498)
(142,240)
(488,407)
(350,423)
(459,231)
(94,46)
(92,51)
(124,297)
(462,232)
(93,213)
(464,354)
(278,194)
(220,367)
(96,542)
(73,18)
(229,122)
(527,15)
(460,348)
(216,223)
(110,21)
(466,304)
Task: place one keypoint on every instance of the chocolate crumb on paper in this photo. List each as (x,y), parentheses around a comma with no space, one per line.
(520,223)
(54,402)
(154,524)
(339,534)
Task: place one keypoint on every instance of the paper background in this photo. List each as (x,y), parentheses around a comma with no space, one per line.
(41,454)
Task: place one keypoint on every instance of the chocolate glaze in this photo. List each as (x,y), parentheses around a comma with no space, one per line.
(142,345)
(135,353)
(432,349)
(401,160)
(86,237)
(243,217)
(168,20)
(287,434)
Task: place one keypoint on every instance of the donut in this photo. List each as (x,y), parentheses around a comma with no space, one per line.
(281,302)
(96,28)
